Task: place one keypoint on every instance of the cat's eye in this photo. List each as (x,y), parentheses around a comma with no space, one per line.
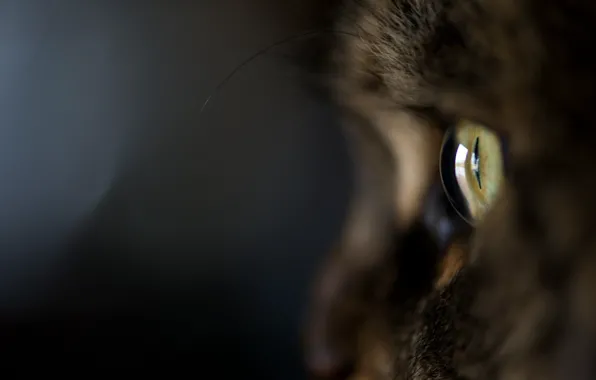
(472,168)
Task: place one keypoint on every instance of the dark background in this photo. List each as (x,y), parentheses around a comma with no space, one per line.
(137,230)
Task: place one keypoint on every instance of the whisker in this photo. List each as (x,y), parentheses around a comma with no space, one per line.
(266,50)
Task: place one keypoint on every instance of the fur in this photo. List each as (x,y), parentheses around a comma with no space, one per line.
(524,306)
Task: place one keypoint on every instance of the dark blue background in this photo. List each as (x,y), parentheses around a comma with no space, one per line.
(137,230)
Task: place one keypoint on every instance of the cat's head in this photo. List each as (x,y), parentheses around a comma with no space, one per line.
(523,68)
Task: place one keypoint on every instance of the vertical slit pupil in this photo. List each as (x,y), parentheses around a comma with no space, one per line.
(476,162)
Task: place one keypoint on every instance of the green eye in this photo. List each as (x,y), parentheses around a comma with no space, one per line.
(472,169)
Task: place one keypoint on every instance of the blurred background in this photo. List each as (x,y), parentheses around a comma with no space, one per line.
(137,230)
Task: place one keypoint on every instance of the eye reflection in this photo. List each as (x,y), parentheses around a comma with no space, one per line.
(472,169)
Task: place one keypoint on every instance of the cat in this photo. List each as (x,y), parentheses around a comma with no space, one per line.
(516,299)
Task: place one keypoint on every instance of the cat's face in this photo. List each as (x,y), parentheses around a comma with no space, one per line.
(524,69)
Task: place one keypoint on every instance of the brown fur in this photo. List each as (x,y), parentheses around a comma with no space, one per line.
(525,305)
